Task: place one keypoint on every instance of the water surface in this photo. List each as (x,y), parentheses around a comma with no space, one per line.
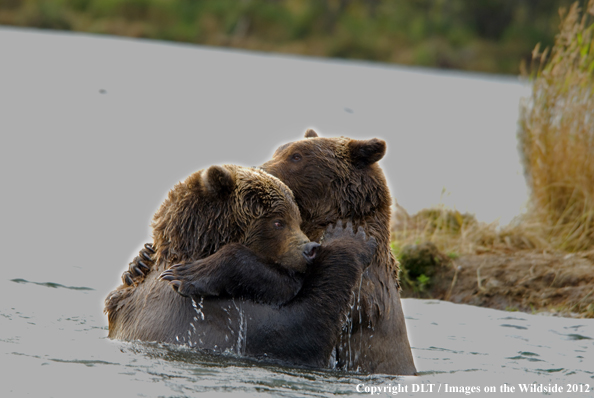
(53,344)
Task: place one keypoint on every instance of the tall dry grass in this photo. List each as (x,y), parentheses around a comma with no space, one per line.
(556,135)
(556,141)
(455,233)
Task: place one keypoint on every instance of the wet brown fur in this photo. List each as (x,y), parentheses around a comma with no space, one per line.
(201,214)
(345,182)
(192,224)
(339,178)
(334,188)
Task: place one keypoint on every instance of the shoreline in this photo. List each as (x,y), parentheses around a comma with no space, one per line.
(537,282)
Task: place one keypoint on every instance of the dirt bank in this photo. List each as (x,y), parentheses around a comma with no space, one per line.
(558,283)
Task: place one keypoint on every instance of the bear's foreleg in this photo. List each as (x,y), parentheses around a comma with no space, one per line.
(235,271)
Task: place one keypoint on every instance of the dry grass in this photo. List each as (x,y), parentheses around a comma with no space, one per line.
(557,135)
(456,234)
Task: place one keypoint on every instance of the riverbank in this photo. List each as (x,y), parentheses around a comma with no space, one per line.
(527,280)
(556,274)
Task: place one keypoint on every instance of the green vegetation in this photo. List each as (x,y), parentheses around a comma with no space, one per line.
(422,283)
(419,264)
(557,136)
(487,35)
(453,255)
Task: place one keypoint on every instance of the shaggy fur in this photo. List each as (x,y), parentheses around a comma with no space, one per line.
(212,208)
(339,178)
(229,217)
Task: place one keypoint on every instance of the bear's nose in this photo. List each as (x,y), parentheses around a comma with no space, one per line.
(309,250)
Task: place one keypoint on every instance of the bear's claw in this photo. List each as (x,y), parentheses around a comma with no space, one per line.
(185,280)
(167,276)
(143,265)
(139,267)
(127,279)
(149,247)
(169,273)
(175,284)
(338,232)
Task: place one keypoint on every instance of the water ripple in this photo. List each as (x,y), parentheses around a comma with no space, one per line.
(51,284)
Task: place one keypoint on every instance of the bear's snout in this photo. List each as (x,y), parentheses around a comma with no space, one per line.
(309,250)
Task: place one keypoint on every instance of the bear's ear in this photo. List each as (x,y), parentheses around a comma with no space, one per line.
(310,133)
(218,181)
(366,152)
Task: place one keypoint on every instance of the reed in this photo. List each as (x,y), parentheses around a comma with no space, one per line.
(556,142)
(556,136)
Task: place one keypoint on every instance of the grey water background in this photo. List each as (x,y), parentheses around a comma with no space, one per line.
(96,130)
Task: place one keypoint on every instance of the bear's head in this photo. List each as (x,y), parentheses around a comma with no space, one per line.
(229,203)
(335,178)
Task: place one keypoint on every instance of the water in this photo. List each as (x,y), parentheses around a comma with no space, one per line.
(54,344)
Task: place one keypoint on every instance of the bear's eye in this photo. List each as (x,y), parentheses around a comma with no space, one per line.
(278,224)
(296,157)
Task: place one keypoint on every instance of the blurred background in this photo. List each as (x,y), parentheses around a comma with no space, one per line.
(492,36)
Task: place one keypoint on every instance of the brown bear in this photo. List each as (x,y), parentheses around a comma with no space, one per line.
(339,178)
(334,179)
(281,297)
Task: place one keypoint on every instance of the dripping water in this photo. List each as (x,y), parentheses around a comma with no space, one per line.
(349,326)
(360,319)
(198,307)
(242,330)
